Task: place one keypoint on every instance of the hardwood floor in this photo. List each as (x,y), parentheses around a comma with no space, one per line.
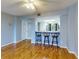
(26,50)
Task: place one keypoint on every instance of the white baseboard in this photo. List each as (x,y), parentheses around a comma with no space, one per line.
(6,44)
(19,41)
(12,43)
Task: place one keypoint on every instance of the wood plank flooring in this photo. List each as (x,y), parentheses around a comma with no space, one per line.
(26,50)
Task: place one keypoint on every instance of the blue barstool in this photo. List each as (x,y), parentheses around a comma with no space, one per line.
(55,38)
(38,39)
(46,38)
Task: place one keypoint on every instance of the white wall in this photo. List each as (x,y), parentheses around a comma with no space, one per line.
(10,29)
(17,29)
(45,20)
(69,30)
(28,28)
(6,29)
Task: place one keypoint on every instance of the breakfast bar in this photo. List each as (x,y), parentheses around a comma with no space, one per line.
(47,38)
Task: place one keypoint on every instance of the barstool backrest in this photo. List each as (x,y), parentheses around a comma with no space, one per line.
(38,33)
(55,34)
(38,38)
(46,34)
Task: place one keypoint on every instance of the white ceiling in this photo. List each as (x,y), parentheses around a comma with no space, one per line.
(16,7)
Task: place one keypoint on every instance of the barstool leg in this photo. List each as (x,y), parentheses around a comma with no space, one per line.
(52,41)
(48,41)
(44,40)
(40,40)
(35,42)
(57,41)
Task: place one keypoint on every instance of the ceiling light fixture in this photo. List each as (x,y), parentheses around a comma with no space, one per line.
(32,5)
(29,6)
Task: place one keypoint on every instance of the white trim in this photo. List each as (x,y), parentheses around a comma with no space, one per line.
(6,44)
(12,43)
(19,41)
